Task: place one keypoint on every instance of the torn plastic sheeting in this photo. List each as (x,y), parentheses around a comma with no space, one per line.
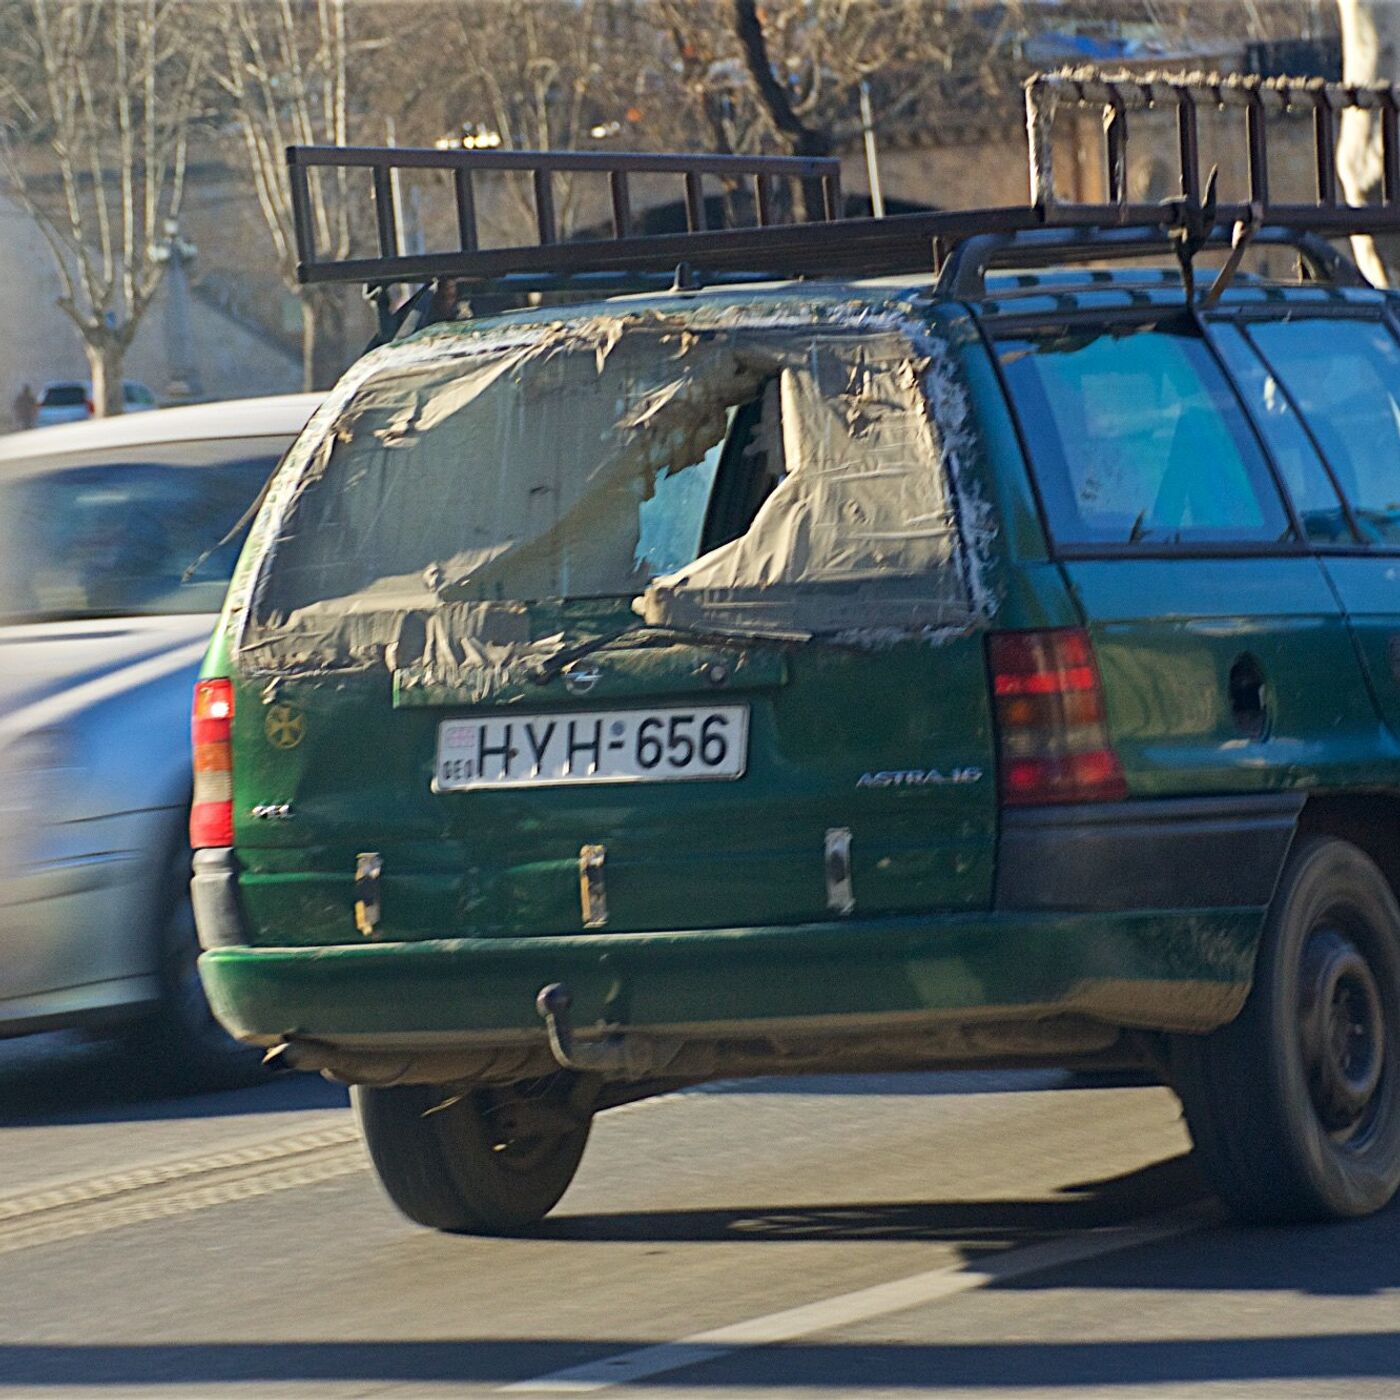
(465,344)
(388,550)
(522,478)
(446,639)
(395,411)
(861,534)
(304,462)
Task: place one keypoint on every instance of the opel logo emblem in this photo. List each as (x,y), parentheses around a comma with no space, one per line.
(580,679)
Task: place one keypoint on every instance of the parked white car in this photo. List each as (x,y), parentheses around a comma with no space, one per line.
(102,629)
(70,401)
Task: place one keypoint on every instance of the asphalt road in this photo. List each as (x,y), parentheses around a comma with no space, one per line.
(971,1235)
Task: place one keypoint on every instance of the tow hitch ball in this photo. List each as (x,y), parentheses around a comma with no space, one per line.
(609,1055)
(553,1003)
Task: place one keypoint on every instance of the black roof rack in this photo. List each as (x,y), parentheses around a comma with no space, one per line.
(392,264)
(836,246)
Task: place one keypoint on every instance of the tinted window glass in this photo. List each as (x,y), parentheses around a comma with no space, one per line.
(1345,378)
(65,396)
(1138,438)
(1314,497)
(114,533)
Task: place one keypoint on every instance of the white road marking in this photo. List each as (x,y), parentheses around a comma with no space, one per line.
(863,1305)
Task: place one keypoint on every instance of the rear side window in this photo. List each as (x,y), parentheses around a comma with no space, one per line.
(1138,439)
(1314,496)
(1345,378)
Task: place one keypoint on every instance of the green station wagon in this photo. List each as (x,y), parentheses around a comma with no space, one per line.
(995,664)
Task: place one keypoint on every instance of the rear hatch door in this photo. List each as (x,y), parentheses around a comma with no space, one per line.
(654,631)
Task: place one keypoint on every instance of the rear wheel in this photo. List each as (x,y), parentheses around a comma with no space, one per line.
(1295,1106)
(490,1162)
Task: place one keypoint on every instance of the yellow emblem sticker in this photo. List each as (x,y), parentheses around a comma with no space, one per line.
(285,726)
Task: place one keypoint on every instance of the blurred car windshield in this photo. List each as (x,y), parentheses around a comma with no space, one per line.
(114,533)
(64,396)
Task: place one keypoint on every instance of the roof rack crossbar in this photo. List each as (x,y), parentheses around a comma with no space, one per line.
(465,197)
(964,277)
(897,243)
(1390,150)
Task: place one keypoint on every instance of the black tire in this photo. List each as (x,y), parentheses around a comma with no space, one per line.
(470,1164)
(1294,1107)
(180,1043)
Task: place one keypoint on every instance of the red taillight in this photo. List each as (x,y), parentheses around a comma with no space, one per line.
(211,816)
(1051,731)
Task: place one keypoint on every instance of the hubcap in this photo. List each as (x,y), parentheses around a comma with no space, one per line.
(524,1133)
(1342,1029)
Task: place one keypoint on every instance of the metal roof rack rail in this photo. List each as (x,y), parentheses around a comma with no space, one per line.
(1195,217)
(394,265)
(840,247)
(1256,99)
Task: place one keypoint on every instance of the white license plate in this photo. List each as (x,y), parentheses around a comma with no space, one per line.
(592,746)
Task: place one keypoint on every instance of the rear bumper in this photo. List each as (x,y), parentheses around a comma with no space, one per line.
(1167,853)
(935,990)
(1138,916)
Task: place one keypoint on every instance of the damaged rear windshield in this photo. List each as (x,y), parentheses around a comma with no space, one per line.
(519,478)
(767,479)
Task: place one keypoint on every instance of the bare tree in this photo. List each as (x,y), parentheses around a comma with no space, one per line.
(549,75)
(97,98)
(1370,54)
(803,62)
(801,137)
(707,77)
(286,72)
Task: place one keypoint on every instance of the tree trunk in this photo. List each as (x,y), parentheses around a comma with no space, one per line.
(308,342)
(1370,54)
(323,337)
(104,357)
(800,139)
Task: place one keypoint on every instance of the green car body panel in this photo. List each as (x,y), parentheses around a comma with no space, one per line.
(720,923)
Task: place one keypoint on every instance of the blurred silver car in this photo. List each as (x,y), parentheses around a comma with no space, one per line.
(102,627)
(70,401)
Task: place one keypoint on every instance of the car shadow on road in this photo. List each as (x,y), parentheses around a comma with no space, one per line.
(836,1367)
(943,1081)
(1091,1205)
(61,1079)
